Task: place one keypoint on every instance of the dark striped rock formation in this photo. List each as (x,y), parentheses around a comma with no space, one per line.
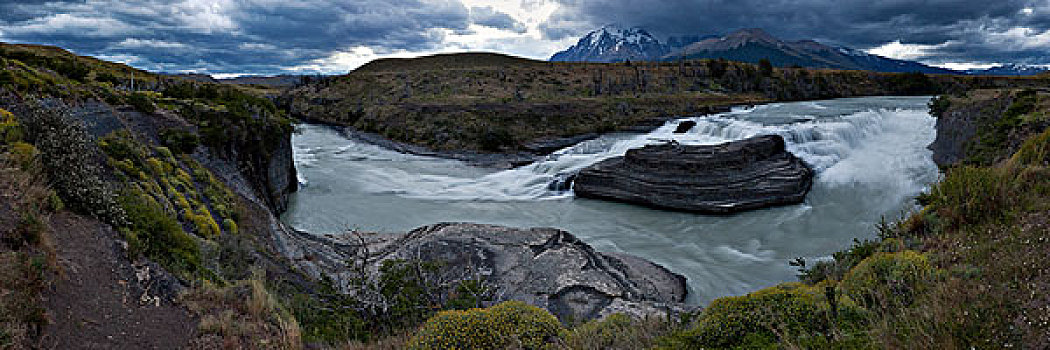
(731,177)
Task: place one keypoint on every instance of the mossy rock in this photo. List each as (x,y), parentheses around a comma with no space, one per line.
(510,324)
(888,281)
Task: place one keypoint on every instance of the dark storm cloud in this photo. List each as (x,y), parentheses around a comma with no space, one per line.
(489,17)
(254,36)
(966,25)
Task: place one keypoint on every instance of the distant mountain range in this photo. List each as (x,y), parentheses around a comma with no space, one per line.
(1009,69)
(616,44)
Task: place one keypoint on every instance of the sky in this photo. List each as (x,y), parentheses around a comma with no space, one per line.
(235,37)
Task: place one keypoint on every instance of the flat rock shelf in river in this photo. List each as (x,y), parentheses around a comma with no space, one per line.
(741,175)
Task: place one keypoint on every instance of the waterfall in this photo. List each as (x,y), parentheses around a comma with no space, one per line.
(869,153)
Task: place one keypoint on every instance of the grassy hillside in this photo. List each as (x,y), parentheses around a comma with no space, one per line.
(97,155)
(500,104)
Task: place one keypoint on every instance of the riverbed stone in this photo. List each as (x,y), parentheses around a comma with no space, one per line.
(731,177)
(545,267)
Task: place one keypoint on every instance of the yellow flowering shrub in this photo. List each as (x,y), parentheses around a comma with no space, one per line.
(512,323)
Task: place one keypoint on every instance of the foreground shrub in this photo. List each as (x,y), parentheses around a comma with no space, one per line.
(788,314)
(510,324)
(68,156)
(1034,151)
(242,315)
(888,281)
(971,195)
(155,233)
(179,141)
(618,331)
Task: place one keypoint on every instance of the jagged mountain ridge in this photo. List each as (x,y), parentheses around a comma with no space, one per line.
(613,44)
(746,45)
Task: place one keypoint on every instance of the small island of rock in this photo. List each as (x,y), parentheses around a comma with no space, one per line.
(731,177)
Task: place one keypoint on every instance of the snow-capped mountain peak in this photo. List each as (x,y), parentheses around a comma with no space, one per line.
(613,43)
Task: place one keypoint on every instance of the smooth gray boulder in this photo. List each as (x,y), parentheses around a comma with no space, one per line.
(545,267)
(735,176)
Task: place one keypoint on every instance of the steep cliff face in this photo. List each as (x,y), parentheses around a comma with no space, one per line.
(271,172)
(986,126)
(281,173)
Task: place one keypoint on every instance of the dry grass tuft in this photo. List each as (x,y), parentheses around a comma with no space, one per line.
(242,315)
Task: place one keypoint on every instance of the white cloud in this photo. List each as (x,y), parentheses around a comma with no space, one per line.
(71,24)
(256,47)
(205,16)
(965,65)
(1020,38)
(133,43)
(902,51)
(339,62)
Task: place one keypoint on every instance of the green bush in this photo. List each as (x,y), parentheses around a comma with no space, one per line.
(230,226)
(69,157)
(160,237)
(120,146)
(971,195)
(618,331)
(510,324)
(10,129)
(791,313)
(403,284)
(888,281)
(142,102)
(841,263)
(203,223)
(1034,151)
(940,104)
(179,141)
(23,154)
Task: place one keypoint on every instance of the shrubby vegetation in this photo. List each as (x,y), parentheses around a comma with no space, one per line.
(618,331)
(169,208)
(243,314)
(511,324)
(67,155)
(27,253)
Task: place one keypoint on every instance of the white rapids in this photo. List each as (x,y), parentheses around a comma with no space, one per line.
(869,153)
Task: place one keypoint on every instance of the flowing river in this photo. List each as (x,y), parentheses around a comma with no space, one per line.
(869,153)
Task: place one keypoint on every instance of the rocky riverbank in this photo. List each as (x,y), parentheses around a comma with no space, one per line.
(986,126)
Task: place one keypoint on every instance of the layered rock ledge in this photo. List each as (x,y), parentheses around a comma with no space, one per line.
(731,177)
